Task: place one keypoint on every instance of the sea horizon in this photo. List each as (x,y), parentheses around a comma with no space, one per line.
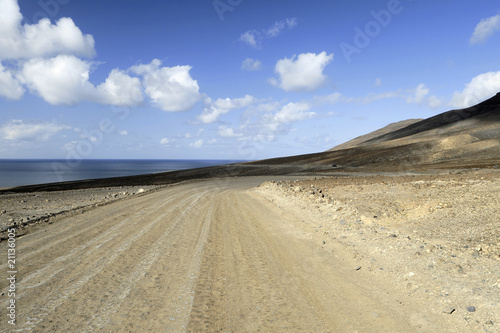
(20,172)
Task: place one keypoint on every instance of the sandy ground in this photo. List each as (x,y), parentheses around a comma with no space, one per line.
(232,256)
(22,210)
(436,237)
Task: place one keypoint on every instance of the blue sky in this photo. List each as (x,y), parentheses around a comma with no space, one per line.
(232,79)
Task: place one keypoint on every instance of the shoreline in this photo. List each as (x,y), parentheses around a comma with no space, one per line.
(31,206)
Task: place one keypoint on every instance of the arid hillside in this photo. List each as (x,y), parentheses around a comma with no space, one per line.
(459,138)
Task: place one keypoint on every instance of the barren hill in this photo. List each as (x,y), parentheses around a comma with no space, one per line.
(459,138)
(375,134)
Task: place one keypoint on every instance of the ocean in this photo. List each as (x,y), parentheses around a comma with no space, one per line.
(30,172)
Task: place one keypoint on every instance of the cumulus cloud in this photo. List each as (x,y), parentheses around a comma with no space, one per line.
(60,80)
(276,122)
(165,142)
(418,95)
(434,102)
(477,90)
(485,29)
(9,86)
(170,88)
(64,80)
(120,89)
(250,37)
(197,144)
(254,37)
(304,72)
(227,132)
(293,112)
(213,111)
(20,130)
(47,59)
(44,39)
(123,133)
(251,64)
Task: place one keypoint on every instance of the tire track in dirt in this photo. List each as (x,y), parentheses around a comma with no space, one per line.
(80,273)
(201,257)
(100,319)
(94,244)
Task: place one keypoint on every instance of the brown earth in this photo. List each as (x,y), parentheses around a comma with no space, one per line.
(218,256)
(435,237)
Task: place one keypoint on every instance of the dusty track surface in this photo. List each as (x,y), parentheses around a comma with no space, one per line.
(203,257)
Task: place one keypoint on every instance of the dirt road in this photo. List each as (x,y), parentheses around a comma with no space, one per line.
(202,257)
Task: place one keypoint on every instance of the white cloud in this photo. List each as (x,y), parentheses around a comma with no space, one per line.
(378,82)
(249,37)
(213,111)
(119,89)
(477,90)
(64,80)
(418,95)
(9,86)
(49,64)
(254,37)
(165,142)
(123,133)
(371,97)
(227,132)
(20,130)
(304,72)
(197,144)
(273,123)
(485,29)
(293,112)
(18,41)
(251,64)
(277,28)
(434,102)
(60,80)
(170,88)
(332,98)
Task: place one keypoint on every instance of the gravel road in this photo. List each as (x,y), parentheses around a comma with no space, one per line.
(211,256)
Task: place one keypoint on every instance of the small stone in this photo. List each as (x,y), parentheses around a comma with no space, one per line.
(357,268)
(141,190)
(4,211)
(324,242)
(449,310)
(471,308)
